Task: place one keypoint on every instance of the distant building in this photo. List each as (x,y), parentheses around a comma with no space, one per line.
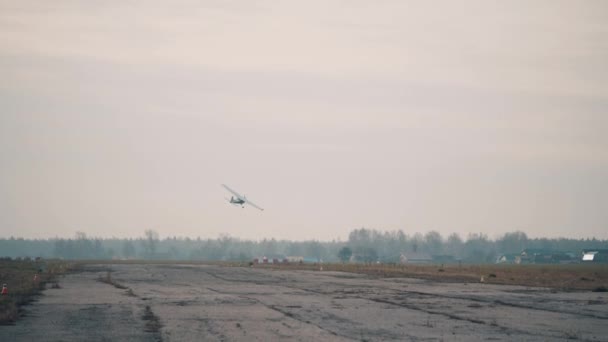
(595,255)
(270,259)
(543,256)
(444,259)
(309,260)
(415,258)
(295,258)
(529,255)
(507,258)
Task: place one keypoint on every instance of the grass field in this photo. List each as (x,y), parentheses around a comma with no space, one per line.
(560,277)
(592,277)
(22,288)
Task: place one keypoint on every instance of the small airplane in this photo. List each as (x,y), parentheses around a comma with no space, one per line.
(239,200)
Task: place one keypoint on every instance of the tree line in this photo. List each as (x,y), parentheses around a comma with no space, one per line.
(367,245)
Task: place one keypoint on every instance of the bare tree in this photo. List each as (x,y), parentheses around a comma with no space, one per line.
(150,241)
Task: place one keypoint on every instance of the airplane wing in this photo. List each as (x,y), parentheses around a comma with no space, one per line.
(253,204)
(232,191)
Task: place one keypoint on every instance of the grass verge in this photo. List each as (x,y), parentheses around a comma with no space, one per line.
(561,277)
(22,287)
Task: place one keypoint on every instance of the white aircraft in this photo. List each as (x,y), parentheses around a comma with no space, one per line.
(239,200)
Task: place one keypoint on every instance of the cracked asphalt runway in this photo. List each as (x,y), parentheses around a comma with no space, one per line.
(215,303)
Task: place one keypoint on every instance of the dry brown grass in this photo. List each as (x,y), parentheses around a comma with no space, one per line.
(563,277)
(22,289)
(8,311)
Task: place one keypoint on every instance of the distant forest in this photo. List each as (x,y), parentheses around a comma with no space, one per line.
(368,244)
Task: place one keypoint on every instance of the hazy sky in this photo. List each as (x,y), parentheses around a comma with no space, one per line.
(455,116)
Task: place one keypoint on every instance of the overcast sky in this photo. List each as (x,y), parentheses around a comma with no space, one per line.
(455,116)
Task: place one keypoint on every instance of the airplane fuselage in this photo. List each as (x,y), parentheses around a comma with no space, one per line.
(237,201)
